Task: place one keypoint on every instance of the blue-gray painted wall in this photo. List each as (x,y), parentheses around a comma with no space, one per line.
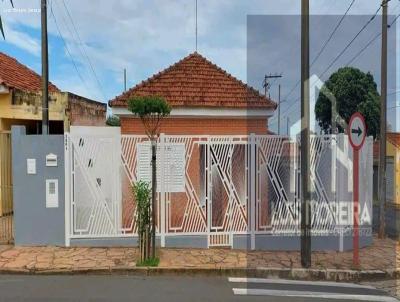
(34,224)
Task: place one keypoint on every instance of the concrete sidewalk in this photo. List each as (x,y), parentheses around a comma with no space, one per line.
(378,261)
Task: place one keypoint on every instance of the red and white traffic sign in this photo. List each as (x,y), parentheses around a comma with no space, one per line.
(357,131)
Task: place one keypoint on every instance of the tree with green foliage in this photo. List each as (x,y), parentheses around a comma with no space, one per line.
(354,91)
(151,110)
(113,121)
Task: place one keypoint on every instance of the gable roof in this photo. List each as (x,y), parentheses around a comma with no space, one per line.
(13,74)
(195,81)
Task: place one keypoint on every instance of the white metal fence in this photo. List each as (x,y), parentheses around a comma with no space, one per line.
(217,186)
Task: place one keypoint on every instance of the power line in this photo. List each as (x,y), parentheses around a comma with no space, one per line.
(364,49)
(344,50)
(352,40)
(371,42)
(84,50)
(333,33)
(394,92)
(325,44)
(70,31)
(67,49)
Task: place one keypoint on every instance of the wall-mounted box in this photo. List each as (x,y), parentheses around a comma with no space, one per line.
(51,160)
(31,165)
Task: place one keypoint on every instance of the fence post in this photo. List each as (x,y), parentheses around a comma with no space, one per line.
(67,195)
(209,190)
(252,186)
(162,189)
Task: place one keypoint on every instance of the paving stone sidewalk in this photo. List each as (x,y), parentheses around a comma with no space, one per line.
(382,255)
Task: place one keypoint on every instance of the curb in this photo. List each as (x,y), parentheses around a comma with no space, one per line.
(268,272)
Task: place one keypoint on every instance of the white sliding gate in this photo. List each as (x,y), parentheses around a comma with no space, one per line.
(214,186)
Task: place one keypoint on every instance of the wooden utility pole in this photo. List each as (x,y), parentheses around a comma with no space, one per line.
(287,125)
(279,109)
(382,141)
(124,79)
(196,23)
(266,84)
(305,137)
(45,71)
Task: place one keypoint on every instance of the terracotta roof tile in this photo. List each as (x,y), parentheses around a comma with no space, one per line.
(195,81)
(16,75)
(394,138)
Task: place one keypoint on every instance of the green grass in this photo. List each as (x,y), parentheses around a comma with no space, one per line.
(149,262)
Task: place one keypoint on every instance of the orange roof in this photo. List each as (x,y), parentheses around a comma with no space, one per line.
(195,81)
(394,138)
(13,74)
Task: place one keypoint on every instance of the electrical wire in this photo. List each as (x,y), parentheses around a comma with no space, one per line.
(84,50)
(67,49)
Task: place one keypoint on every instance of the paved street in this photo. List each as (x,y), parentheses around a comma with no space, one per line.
(167,288)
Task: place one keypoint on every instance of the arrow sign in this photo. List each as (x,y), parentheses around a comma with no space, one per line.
(357,131)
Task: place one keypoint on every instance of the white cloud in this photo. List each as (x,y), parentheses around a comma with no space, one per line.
(21,40)
(145,36)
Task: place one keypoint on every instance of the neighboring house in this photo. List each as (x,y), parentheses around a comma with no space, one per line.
(21,102)
(392,167)
(205,100)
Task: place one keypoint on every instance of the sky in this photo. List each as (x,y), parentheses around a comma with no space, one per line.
(91,42)
(278,52)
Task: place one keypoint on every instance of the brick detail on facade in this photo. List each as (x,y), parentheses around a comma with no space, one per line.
(200,126)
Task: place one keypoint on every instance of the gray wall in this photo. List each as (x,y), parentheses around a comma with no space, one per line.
(34,224)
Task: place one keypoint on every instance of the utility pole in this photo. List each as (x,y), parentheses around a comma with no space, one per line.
(196,23)
(279,109)
(287,125)
(124,79)
(267,84)
(382,142)
(45,71)
(305,136)
(397,95)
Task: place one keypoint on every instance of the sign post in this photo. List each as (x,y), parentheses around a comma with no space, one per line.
(356,131)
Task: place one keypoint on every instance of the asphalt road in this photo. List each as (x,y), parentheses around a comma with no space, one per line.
(171,289)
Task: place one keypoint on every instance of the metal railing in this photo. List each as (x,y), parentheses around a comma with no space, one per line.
(216,186)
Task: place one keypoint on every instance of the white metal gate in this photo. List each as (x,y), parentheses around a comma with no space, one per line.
(214,186)
(93,180)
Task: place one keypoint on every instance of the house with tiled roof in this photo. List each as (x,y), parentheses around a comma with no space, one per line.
(205,100)
(21,102)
